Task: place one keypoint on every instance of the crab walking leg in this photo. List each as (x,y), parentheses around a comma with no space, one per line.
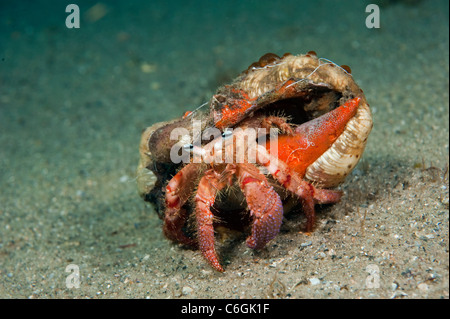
(264,204)
(278,121)
(178,191)
(308,194)
(206,194)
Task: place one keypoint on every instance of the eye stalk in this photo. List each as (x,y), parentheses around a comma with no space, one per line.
(188,147)
(196,150)
(227,134)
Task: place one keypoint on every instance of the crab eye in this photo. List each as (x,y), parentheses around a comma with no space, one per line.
(188,147)
(227,134)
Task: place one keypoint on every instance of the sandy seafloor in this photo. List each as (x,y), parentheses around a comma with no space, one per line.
(73,103)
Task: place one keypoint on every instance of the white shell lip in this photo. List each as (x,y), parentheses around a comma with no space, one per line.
(331,168)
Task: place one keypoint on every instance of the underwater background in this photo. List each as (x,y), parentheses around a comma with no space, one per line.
(74,101)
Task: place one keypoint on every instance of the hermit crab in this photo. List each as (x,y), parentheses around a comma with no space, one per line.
(286,130)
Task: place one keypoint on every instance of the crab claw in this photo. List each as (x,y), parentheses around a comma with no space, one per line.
(296,152)
(313,138)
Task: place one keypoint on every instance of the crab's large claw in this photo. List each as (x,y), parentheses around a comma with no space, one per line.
(296,152)
(314,138)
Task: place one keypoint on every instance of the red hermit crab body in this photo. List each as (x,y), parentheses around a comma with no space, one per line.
(288,127)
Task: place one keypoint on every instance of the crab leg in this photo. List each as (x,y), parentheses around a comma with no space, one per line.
(178,191)
(291,180)
(310,196)
(208,187)
(264,204)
